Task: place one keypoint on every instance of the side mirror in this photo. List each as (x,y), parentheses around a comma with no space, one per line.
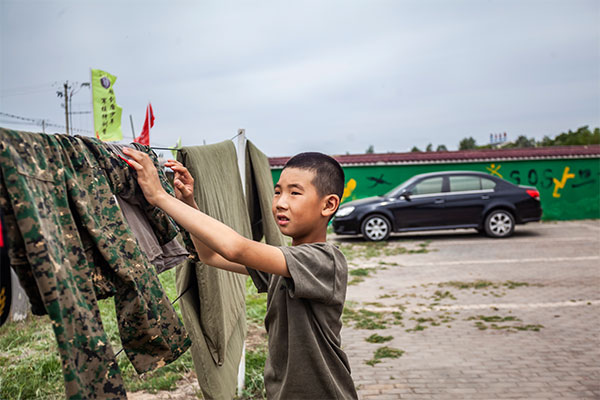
(406,194)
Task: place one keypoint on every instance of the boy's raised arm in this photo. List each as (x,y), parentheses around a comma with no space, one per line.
(217,236)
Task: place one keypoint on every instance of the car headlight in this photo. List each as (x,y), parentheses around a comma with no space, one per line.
(344,211)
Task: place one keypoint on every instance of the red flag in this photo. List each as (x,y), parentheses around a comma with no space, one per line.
(144,137)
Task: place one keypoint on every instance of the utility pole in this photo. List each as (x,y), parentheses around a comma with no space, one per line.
(132,131)
(68,97)
(66,85)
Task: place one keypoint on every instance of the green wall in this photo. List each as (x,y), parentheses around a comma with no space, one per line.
(569,188)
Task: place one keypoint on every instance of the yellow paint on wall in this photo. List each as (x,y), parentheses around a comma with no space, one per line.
(494,170)
(348,189)
(561,184)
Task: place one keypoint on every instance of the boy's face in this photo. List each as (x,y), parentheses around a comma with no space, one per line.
(297,206)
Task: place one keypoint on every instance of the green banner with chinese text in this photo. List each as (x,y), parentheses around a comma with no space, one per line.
(107,114)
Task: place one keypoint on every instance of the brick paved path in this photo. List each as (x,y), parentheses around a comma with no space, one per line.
(480,342)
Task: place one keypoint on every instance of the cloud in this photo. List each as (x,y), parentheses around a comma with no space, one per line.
(327,76)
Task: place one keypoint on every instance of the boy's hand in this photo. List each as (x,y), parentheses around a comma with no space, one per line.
(183,183)
(147,176)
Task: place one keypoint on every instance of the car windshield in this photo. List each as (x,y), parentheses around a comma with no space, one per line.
(395,192)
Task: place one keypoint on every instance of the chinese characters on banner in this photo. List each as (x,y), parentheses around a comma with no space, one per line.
(107,114)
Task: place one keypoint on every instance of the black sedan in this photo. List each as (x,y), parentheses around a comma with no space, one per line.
(442,200)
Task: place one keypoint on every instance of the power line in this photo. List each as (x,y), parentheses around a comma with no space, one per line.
(18,117)
(5,121)
(41,122)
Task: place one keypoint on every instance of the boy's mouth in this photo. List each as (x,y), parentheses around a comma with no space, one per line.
(282,220)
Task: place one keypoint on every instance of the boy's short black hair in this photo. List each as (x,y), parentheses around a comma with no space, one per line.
(329,175)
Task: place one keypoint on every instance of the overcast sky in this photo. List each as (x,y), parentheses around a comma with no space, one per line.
(330,76)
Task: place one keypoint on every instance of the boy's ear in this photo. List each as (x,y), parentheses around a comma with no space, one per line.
(330,205)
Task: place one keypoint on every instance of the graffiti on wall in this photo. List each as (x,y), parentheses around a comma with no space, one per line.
(351,186)
(377,181)
(493,169)
(587,175)
(348,189)
(546,178)
(563,181)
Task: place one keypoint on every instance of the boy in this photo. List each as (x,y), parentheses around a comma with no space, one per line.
(306,283)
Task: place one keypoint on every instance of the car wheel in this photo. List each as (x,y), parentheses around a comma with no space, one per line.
(376,228)
(499,224)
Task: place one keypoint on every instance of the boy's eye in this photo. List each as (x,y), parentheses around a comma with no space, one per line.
(296,193)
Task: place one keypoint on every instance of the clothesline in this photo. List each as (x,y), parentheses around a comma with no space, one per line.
(165,148)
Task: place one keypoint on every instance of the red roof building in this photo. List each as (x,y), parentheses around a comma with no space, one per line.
(529,153)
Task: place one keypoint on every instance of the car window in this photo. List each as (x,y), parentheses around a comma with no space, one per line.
(487,183)
(428,186)
(398,189)
(464,183)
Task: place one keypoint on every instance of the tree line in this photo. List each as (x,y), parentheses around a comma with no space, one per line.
(582,136)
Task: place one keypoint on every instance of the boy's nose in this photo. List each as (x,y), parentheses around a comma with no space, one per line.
(281,204)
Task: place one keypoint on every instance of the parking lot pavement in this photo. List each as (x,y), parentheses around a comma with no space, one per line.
(461,316)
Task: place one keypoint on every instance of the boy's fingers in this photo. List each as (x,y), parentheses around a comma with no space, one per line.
(178,168)
(172,162)
(138,156)
(137,166)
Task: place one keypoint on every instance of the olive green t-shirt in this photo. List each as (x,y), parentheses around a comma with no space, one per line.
(303,322)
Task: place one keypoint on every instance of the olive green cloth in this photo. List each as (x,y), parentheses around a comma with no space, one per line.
(259,196)
(213,308)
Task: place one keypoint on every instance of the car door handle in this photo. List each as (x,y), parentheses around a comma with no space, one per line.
(439,201)
(485,197)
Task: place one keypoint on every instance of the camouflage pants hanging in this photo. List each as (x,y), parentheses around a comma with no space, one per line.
(70,245)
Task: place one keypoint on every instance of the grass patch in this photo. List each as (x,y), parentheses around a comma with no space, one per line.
(392,264)
(535,328)
(256,304)
(359,275)
(364,319)
(368,250)
(384,352)
(374,304)
(361,271)
(421,248)
(483,284)
(34,373)
(397,318)
(254,385)
(436,320)
(441,295)
(493,320)
(417,328)
(256,354)
(375,338)
(480,284)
